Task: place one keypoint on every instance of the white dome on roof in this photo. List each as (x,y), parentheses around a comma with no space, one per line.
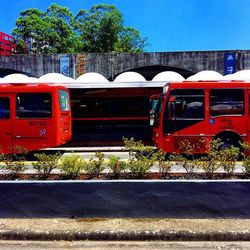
(55,78)
(130,77)
(169,76)
(91,77)
(206,75)
(15,78)
(243,75)
(229,77)
(32,80)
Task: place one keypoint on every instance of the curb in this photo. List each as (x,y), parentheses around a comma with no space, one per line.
(85,149)
(125,236)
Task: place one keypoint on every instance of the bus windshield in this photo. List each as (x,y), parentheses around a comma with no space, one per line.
(64,100)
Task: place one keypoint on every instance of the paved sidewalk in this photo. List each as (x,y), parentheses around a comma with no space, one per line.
(125,229)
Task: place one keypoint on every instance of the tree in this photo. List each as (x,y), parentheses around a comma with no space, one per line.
(129,40)
(62,35)
(22,47)
(101,30)
(47,32)
(56,30)
(33,26)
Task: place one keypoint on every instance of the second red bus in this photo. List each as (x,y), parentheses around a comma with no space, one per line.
(200,112)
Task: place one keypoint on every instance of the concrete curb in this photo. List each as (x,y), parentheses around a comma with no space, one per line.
(124,235)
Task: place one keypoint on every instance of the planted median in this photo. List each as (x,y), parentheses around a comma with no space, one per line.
(217,164)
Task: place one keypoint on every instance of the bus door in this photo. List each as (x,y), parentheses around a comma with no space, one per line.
(184,118)
(154,99)
(5,124)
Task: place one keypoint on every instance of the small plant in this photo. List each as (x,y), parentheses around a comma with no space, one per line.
(141,157)
(186,159)
(95,167)
(228,159)
(164,163)
(71,165)
(116,165)
(15,162)
(136,149)
(246,165)
(46,163)
(131,146)
(246,157)
(139,167)
(190,165)
(210,163)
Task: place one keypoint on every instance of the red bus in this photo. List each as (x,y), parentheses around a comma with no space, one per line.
(34,116)
(7,44)
(200,112)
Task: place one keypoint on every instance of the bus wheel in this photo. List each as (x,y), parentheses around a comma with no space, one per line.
(228,140)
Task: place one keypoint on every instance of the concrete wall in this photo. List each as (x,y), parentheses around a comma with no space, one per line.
(111,64)
(125,198)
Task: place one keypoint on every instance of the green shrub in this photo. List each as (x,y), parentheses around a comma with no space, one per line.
(190,165)
(186,158)
(246,157)
(46,163)
(164,163)
(141,157)
(139,167)
(14,164)
(95,166)
(210,163)
(246,165)
(137,149)
(228,159)
(116,165)
(71,165)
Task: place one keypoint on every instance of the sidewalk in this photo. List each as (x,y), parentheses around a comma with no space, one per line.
(126,229)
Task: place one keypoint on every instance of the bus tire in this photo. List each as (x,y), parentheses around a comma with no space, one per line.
(229,139)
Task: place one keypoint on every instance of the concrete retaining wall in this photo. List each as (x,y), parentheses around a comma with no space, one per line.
(173,199)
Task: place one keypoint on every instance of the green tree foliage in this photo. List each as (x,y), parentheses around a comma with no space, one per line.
(62,35)
(130,40)
(99,28)
(33,25)
(56,30)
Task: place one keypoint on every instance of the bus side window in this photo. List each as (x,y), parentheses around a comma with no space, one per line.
(34,105)
(186,104)
(4,108)
(184,108)
(226,102)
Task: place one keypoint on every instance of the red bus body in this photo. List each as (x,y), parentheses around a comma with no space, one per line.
(34,117)
(7,44)
(200,112)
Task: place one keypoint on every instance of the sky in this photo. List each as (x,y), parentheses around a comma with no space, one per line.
(169,25)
